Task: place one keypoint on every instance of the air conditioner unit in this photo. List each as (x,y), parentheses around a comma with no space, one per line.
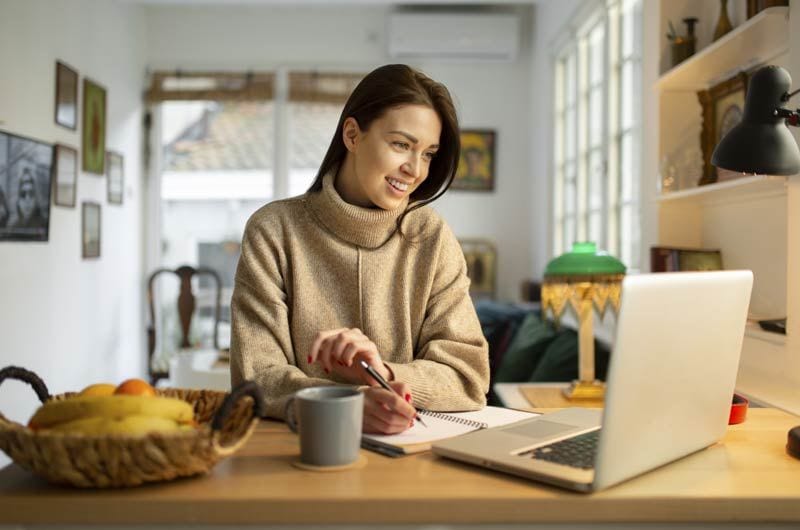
(453,36)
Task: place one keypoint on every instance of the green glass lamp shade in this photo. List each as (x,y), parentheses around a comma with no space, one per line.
(584,260)
(761,143)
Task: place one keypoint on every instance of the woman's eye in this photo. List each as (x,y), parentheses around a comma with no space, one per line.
(430,156)
(401,145)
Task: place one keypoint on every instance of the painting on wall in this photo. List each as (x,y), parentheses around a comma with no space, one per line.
(476,164)
(93,146)
(723,107)
(66,96)
(90,228)
(65,171)
(481,258)
(115,173)
(25,177)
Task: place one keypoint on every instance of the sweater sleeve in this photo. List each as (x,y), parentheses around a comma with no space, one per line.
(261,343)
(450,371)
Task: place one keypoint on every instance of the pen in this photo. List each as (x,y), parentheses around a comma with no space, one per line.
(381,381)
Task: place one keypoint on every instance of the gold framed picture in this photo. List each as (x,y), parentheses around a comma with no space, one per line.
(723,107)
(93,146)
(476,164)
(481,258)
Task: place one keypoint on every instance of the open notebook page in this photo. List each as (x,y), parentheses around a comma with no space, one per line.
(439,428)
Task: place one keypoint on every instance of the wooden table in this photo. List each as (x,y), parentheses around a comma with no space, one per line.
(536,396)
(746,478)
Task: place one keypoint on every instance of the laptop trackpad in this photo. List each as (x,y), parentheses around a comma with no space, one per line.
(540,429)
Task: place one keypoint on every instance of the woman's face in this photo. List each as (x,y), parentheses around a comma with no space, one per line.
(391,159)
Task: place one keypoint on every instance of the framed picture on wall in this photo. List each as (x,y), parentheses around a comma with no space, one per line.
(66,113)
(115,175)
(481,258)
(65,175)
(723,106)
(476,164)
(93,145)
(90,229)
(25,180)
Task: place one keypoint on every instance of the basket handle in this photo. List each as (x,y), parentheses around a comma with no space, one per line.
(26,376)
(249,388)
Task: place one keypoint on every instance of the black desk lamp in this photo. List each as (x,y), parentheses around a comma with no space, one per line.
(761,143)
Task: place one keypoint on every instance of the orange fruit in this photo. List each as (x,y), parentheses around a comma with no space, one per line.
(135,387)
(98,389)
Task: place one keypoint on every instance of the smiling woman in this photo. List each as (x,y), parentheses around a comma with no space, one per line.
(359,268)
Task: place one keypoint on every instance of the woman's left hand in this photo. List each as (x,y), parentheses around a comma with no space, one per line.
(339,351)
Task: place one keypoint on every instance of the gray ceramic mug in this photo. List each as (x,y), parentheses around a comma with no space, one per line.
(328,419)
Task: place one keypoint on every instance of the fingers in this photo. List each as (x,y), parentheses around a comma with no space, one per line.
(365,350)
(321,346)
(403,389)
(342,346)
(389,406)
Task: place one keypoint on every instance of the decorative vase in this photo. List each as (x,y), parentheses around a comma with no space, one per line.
(724,23)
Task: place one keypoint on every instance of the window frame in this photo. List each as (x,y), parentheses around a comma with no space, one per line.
(593,214)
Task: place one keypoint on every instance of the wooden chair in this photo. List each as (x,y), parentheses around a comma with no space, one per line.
(186,307)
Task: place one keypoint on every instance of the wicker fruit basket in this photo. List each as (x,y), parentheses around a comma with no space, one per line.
(226,421)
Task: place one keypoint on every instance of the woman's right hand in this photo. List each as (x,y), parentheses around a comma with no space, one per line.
(387,412)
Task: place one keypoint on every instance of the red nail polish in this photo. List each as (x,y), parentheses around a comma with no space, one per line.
(309,358)
(327,371)
(408,398)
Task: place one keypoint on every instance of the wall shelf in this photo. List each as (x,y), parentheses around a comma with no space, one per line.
(754,331)
(729,190)
(754,42)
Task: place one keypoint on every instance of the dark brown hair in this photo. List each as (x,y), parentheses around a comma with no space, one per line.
(389,87)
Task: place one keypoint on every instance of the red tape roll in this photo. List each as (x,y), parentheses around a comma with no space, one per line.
(738,409)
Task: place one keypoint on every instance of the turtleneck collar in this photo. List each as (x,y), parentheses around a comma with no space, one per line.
(363,227)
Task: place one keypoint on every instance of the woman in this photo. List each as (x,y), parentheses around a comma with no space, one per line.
(357,268)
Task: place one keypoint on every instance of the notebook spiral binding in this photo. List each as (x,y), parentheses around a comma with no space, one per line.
(454,419)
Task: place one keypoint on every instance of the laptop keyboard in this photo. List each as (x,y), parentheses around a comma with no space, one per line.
(578,451)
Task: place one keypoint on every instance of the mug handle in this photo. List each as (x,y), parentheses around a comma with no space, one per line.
(288,413)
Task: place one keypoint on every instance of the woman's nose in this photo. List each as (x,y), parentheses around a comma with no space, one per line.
(411,167)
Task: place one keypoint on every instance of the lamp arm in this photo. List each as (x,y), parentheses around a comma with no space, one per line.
(789,95)
(792,116)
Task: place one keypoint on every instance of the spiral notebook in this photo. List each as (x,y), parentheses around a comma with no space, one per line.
(441,425)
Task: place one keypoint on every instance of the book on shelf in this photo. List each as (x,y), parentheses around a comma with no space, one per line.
(440,425)
(674,259)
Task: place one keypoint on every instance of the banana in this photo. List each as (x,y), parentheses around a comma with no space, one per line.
(111,407)
(130,425)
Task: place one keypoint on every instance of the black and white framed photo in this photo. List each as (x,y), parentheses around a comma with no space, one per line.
(90,229)
(25,179)
(116,176)
(65,171)
(66,96)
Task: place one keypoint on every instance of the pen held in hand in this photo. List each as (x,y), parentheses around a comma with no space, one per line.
(381,381)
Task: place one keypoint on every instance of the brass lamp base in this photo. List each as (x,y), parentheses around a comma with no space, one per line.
(585,390)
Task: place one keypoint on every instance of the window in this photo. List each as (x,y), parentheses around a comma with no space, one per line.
(597,130)
(229,143)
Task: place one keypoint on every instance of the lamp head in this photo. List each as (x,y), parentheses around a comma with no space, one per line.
(761,142)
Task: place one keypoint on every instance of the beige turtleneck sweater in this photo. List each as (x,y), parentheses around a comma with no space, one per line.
(314,262)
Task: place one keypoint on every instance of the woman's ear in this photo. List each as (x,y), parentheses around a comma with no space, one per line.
(351,133)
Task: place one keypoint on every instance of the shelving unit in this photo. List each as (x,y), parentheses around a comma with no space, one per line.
(759,40)
(730,190)
(753,220)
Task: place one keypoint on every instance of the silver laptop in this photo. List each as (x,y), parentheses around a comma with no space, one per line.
(670,381)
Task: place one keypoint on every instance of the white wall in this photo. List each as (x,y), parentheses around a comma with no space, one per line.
(73,321)
(488,95)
